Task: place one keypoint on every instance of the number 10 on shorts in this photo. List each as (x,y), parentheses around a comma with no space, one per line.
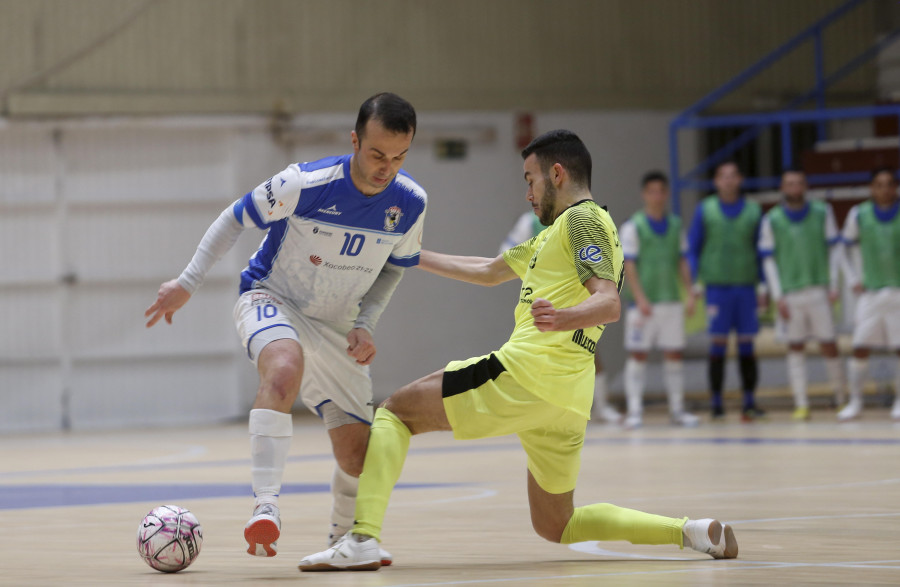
(267,311)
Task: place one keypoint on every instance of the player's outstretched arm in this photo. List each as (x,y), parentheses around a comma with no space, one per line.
(602,307)
(170,298)
(478,270)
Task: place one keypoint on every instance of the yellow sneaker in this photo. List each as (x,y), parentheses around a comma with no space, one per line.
(800,414)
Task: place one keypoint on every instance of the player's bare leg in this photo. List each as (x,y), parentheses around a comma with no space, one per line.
(280,368)
(414,409)
(856,377)
(555,518)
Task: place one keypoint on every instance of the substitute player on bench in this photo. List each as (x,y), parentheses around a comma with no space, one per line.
(340,232)
(802,257)
(655,250)
(538,385)
(872,235)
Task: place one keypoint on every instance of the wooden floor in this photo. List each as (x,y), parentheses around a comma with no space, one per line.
(815,504)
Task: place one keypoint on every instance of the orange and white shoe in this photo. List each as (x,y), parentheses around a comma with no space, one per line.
(712,537)
(263,530)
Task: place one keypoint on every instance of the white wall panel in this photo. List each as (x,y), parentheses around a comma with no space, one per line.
(29,323)
(107,320)
(146,165)
(26,166)
(29,241)
(191,390)
(31,395)
(131,242)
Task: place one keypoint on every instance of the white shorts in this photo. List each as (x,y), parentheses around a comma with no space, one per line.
(810,316)
(329,373)
(878,319)
(663,328)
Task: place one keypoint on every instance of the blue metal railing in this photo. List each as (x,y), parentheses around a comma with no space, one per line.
(758,122)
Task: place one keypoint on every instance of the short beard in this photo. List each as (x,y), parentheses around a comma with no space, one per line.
(547,211)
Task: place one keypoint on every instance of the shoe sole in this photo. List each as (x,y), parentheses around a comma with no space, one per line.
(386,562)
(716,529)
(731,545)
(261,536)
(325,567)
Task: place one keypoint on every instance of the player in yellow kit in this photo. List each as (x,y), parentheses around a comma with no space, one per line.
(539,385)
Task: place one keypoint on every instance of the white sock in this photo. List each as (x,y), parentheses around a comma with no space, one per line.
(600,391)
(796,368)
(635,378)
(673,376)
(856,376)
(270,440)
(343,509)
(836,378)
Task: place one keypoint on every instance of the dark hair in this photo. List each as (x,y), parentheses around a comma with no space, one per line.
(884,169)
(652,176)
(563,147)
(393,112)
(722,164)
(787,170)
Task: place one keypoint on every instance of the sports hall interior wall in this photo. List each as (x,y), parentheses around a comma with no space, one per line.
(94,215)
(127,126)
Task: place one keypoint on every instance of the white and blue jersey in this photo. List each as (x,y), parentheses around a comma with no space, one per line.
(327,241)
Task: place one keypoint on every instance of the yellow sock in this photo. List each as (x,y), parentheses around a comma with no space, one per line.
(388,445)
(604,521)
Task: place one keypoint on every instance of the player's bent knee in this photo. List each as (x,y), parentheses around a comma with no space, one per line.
(549,530)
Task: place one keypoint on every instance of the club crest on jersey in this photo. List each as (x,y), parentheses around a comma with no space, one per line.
(590,254)
(392,218)
(315,260)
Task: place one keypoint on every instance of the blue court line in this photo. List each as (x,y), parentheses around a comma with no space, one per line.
(17,497)
(469,446)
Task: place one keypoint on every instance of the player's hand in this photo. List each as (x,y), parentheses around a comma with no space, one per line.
(858,288)
(645,307)
(361,346)
(170,298)
(690,305)
(546,317)
(833,296)
(783,310)
(762,301)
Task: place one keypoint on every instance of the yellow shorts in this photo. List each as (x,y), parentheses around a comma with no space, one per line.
(482,400)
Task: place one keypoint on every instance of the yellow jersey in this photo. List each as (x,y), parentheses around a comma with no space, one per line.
(558,367)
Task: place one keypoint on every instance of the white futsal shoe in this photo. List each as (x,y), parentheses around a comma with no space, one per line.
(686,419)
(633,421)
(895,411)
(352,552)
(851,410)
(263,530)
(712,537)
(386,558)
(607,413)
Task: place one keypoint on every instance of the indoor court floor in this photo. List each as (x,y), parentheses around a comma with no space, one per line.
(816,503)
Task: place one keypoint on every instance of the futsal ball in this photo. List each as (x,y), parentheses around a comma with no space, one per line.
(169,538)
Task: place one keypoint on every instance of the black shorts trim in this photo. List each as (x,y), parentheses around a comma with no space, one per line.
(471,376)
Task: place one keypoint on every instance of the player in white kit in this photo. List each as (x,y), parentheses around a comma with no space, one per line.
(802,256)
(872,235)
(339,233)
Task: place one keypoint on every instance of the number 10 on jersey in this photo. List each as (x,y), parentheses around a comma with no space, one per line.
(353,244)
